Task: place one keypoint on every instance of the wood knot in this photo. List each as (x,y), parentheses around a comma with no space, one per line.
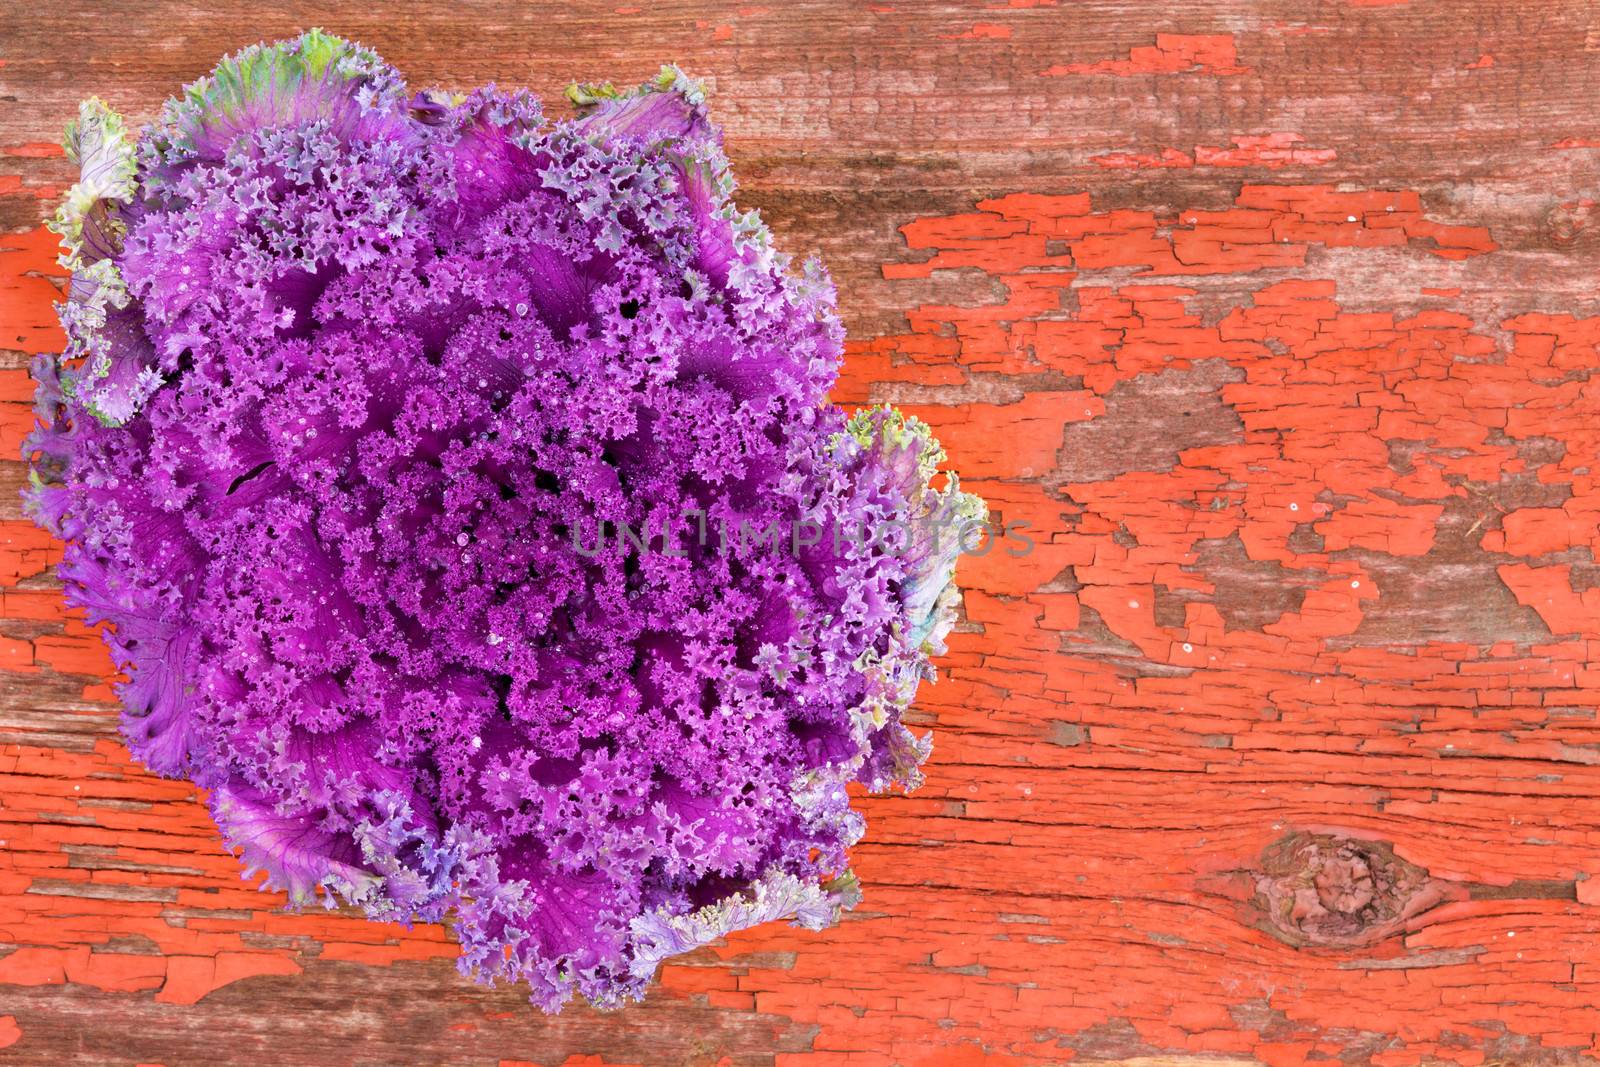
(1566,222)
(1335,891)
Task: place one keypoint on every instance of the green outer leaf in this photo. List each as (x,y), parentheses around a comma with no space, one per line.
(273,73)
(776,894)
(91,232)
(671,80)
(98,142)
(260,69)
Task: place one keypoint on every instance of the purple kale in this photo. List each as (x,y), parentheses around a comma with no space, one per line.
(463,494)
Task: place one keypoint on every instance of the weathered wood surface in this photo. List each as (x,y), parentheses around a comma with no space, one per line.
(1278,323)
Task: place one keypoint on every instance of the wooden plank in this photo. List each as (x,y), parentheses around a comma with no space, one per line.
(1277,322)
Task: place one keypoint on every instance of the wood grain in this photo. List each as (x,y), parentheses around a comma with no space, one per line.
(1276,321)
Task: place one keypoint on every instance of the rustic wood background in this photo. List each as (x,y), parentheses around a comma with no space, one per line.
(1276,320)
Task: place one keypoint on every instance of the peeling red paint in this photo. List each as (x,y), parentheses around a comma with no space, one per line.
(27,296)
(981,31)
(1173,53)
(1267,226)
(41,150)
(1166,158)
(1271,151)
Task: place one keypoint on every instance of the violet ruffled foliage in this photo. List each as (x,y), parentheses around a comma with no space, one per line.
(348,369)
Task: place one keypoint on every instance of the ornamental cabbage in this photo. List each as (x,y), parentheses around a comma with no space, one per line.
(462,493)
